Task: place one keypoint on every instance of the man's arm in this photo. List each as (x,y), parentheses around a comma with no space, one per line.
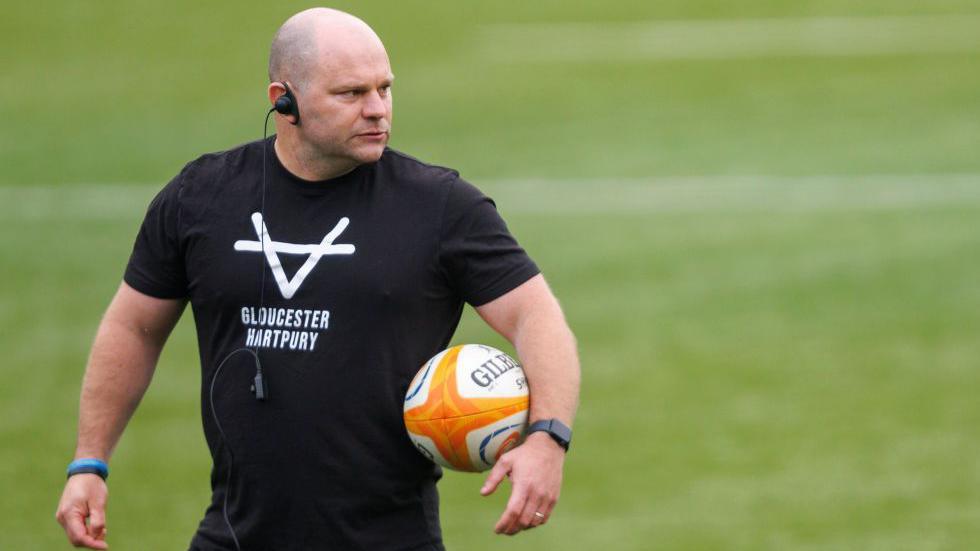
(530,318)
(120,366)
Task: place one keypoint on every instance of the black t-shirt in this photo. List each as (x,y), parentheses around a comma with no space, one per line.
(365,276)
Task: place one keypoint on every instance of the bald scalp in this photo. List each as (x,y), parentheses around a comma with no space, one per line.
(293,52)
(304,38)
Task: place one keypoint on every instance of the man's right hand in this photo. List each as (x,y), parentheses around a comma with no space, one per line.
(84,499)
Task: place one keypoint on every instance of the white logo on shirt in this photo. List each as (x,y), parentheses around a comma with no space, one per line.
(288,287)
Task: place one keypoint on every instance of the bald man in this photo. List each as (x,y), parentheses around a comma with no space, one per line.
(322,268)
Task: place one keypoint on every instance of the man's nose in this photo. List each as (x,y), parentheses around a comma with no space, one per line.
(374,105)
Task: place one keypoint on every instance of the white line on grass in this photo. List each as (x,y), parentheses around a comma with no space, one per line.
(52,203)
(731,38)
(738,194)
(694,194)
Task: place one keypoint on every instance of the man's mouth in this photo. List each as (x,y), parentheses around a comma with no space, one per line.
(379,135)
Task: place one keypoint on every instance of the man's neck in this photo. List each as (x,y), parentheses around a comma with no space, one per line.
(305,163)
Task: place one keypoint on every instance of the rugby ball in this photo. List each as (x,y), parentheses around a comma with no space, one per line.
(467,406)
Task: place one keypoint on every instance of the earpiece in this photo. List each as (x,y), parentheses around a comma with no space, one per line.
(286,104)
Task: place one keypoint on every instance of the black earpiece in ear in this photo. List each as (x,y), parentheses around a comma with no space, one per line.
(286,104)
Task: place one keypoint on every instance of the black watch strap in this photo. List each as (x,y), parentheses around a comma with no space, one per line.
(556,429)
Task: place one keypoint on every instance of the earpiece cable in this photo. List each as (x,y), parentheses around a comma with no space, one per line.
(259,383)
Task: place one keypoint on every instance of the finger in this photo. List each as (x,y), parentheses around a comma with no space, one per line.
(497,475)
(77,535)
(548,507)
(539,515)
(518,498)
(74,523)
(527,518)
(96,522)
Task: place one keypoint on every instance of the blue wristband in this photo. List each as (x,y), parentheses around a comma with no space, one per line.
(88,466)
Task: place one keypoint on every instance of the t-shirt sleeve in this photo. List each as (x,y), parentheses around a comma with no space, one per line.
(480,258)
(156,267)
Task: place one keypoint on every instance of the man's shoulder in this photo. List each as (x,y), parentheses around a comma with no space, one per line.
(212,164)
(211,175)
(412,171)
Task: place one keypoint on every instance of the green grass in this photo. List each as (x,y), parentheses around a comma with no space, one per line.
(770,265)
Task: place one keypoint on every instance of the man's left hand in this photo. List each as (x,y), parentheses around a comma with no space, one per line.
(534,469)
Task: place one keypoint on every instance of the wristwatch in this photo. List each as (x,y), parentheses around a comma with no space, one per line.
(557,430)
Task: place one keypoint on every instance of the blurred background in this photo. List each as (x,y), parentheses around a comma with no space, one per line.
(761,217)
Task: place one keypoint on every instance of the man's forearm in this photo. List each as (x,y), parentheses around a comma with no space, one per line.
(120,366)
(118,373)
(547,350)
(531,319)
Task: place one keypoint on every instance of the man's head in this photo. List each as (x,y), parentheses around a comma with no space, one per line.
(339,72)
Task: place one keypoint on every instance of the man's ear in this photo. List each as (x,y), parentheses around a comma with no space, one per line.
(283,101)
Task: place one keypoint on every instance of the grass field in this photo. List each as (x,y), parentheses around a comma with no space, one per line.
(769,255)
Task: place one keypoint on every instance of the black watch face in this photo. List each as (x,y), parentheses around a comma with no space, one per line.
(562,433)
(556,430)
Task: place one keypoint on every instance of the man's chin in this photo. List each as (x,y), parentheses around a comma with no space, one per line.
(370,153)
